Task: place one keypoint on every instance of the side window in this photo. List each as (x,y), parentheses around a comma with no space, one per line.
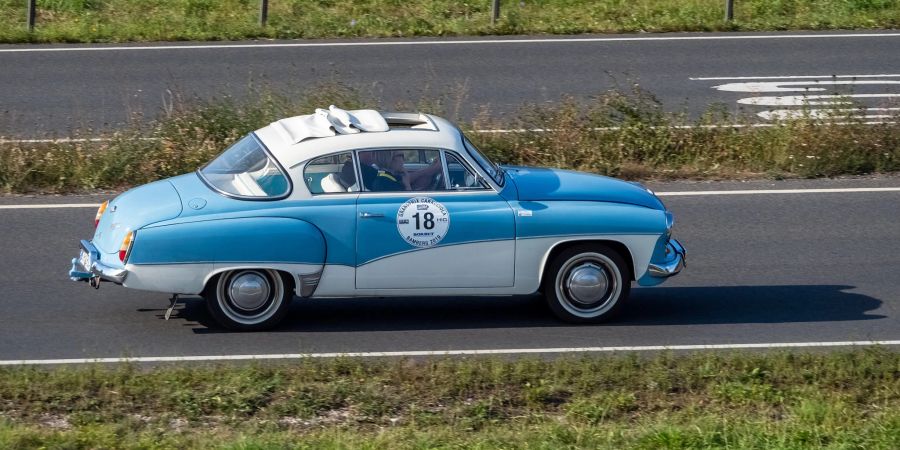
(461,177)
(401,170)
(331,174)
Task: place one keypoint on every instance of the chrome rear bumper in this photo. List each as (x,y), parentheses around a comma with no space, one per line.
(88,266)
(676,254)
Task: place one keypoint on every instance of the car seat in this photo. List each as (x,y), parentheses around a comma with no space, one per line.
(331,183)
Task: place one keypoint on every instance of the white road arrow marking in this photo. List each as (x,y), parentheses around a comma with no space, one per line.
(810,86)
(809,100)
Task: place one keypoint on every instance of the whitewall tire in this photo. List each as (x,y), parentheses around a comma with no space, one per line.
(249,299)
(587,283)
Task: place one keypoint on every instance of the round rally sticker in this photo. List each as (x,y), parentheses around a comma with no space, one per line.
(422,222)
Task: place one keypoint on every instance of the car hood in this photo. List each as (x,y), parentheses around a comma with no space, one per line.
(134,209)
(540,184)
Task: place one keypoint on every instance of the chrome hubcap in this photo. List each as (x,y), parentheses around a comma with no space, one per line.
(249,291)
(587,284)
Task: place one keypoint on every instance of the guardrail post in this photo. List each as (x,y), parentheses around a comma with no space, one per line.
(495,11)
(32,11)
(263,12)
(729,10)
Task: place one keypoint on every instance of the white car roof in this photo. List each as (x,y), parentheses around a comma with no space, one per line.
(297,139)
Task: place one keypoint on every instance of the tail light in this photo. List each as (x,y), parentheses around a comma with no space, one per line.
(125,249)
(100,212)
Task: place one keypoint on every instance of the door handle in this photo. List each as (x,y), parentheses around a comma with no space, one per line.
(368,215)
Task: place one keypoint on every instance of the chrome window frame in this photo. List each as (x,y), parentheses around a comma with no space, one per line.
(465,164)
(500,172)
(491,186)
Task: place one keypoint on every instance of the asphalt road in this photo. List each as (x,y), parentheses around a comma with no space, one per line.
(45,91)
(806,267)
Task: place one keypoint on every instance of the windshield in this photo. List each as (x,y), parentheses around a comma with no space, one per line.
(246,170)
(493,170)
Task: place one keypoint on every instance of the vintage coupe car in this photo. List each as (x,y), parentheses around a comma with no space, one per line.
(366,203)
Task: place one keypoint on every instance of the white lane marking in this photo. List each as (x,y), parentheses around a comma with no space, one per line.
(65,140)
(796,77)
(455,42)
(684,127)
(659,194)
(776,191)
(510,351)
(810,86)
(52,206)
(805,100)
(809,100)
(824,114)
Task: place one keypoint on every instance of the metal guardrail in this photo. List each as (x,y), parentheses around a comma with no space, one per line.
(495,11)
(263,13)
(32,8)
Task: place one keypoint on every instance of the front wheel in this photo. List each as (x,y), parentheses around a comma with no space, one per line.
(587,283)
(249,299)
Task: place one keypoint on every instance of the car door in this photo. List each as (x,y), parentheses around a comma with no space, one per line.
(446,236)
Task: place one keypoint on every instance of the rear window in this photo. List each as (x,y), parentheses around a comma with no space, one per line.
(246,170)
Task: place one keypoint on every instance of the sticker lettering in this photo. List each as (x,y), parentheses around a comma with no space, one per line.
(422,221)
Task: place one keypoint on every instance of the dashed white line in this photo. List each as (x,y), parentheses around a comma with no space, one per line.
(660,194)
(439,353)
(453,42)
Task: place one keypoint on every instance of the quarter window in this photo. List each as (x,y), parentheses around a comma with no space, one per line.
(461,178)
(331,174)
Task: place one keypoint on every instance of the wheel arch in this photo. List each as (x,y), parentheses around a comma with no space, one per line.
(561,246)
(286,270)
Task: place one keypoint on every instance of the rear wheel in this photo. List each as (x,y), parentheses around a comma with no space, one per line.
(587,283)
(249,299)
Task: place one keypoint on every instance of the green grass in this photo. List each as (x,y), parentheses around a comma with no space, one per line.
(167,20)
(846,399)
(622,134)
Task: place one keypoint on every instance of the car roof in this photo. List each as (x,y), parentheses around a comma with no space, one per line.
(297,139)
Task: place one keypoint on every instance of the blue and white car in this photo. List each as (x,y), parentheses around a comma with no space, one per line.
(369,204)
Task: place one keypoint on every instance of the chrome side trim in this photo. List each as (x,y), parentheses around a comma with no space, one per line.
(309,282)
(670,267)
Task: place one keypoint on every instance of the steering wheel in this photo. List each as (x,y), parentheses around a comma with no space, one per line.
(437,182)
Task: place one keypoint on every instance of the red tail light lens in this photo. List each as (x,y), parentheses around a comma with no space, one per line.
(100,212)
(125,249)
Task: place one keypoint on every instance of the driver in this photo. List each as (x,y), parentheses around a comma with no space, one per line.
(395,177)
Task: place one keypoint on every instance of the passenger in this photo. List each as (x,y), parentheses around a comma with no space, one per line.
(366,166)
(393,178)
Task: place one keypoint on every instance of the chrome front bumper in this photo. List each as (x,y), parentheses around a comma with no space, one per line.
(675,262)
(88,266)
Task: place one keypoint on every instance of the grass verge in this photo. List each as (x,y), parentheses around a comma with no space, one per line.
(168,20)
(846,399)
(622,134)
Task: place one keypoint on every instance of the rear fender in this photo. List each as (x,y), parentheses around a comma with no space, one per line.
(290,245)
